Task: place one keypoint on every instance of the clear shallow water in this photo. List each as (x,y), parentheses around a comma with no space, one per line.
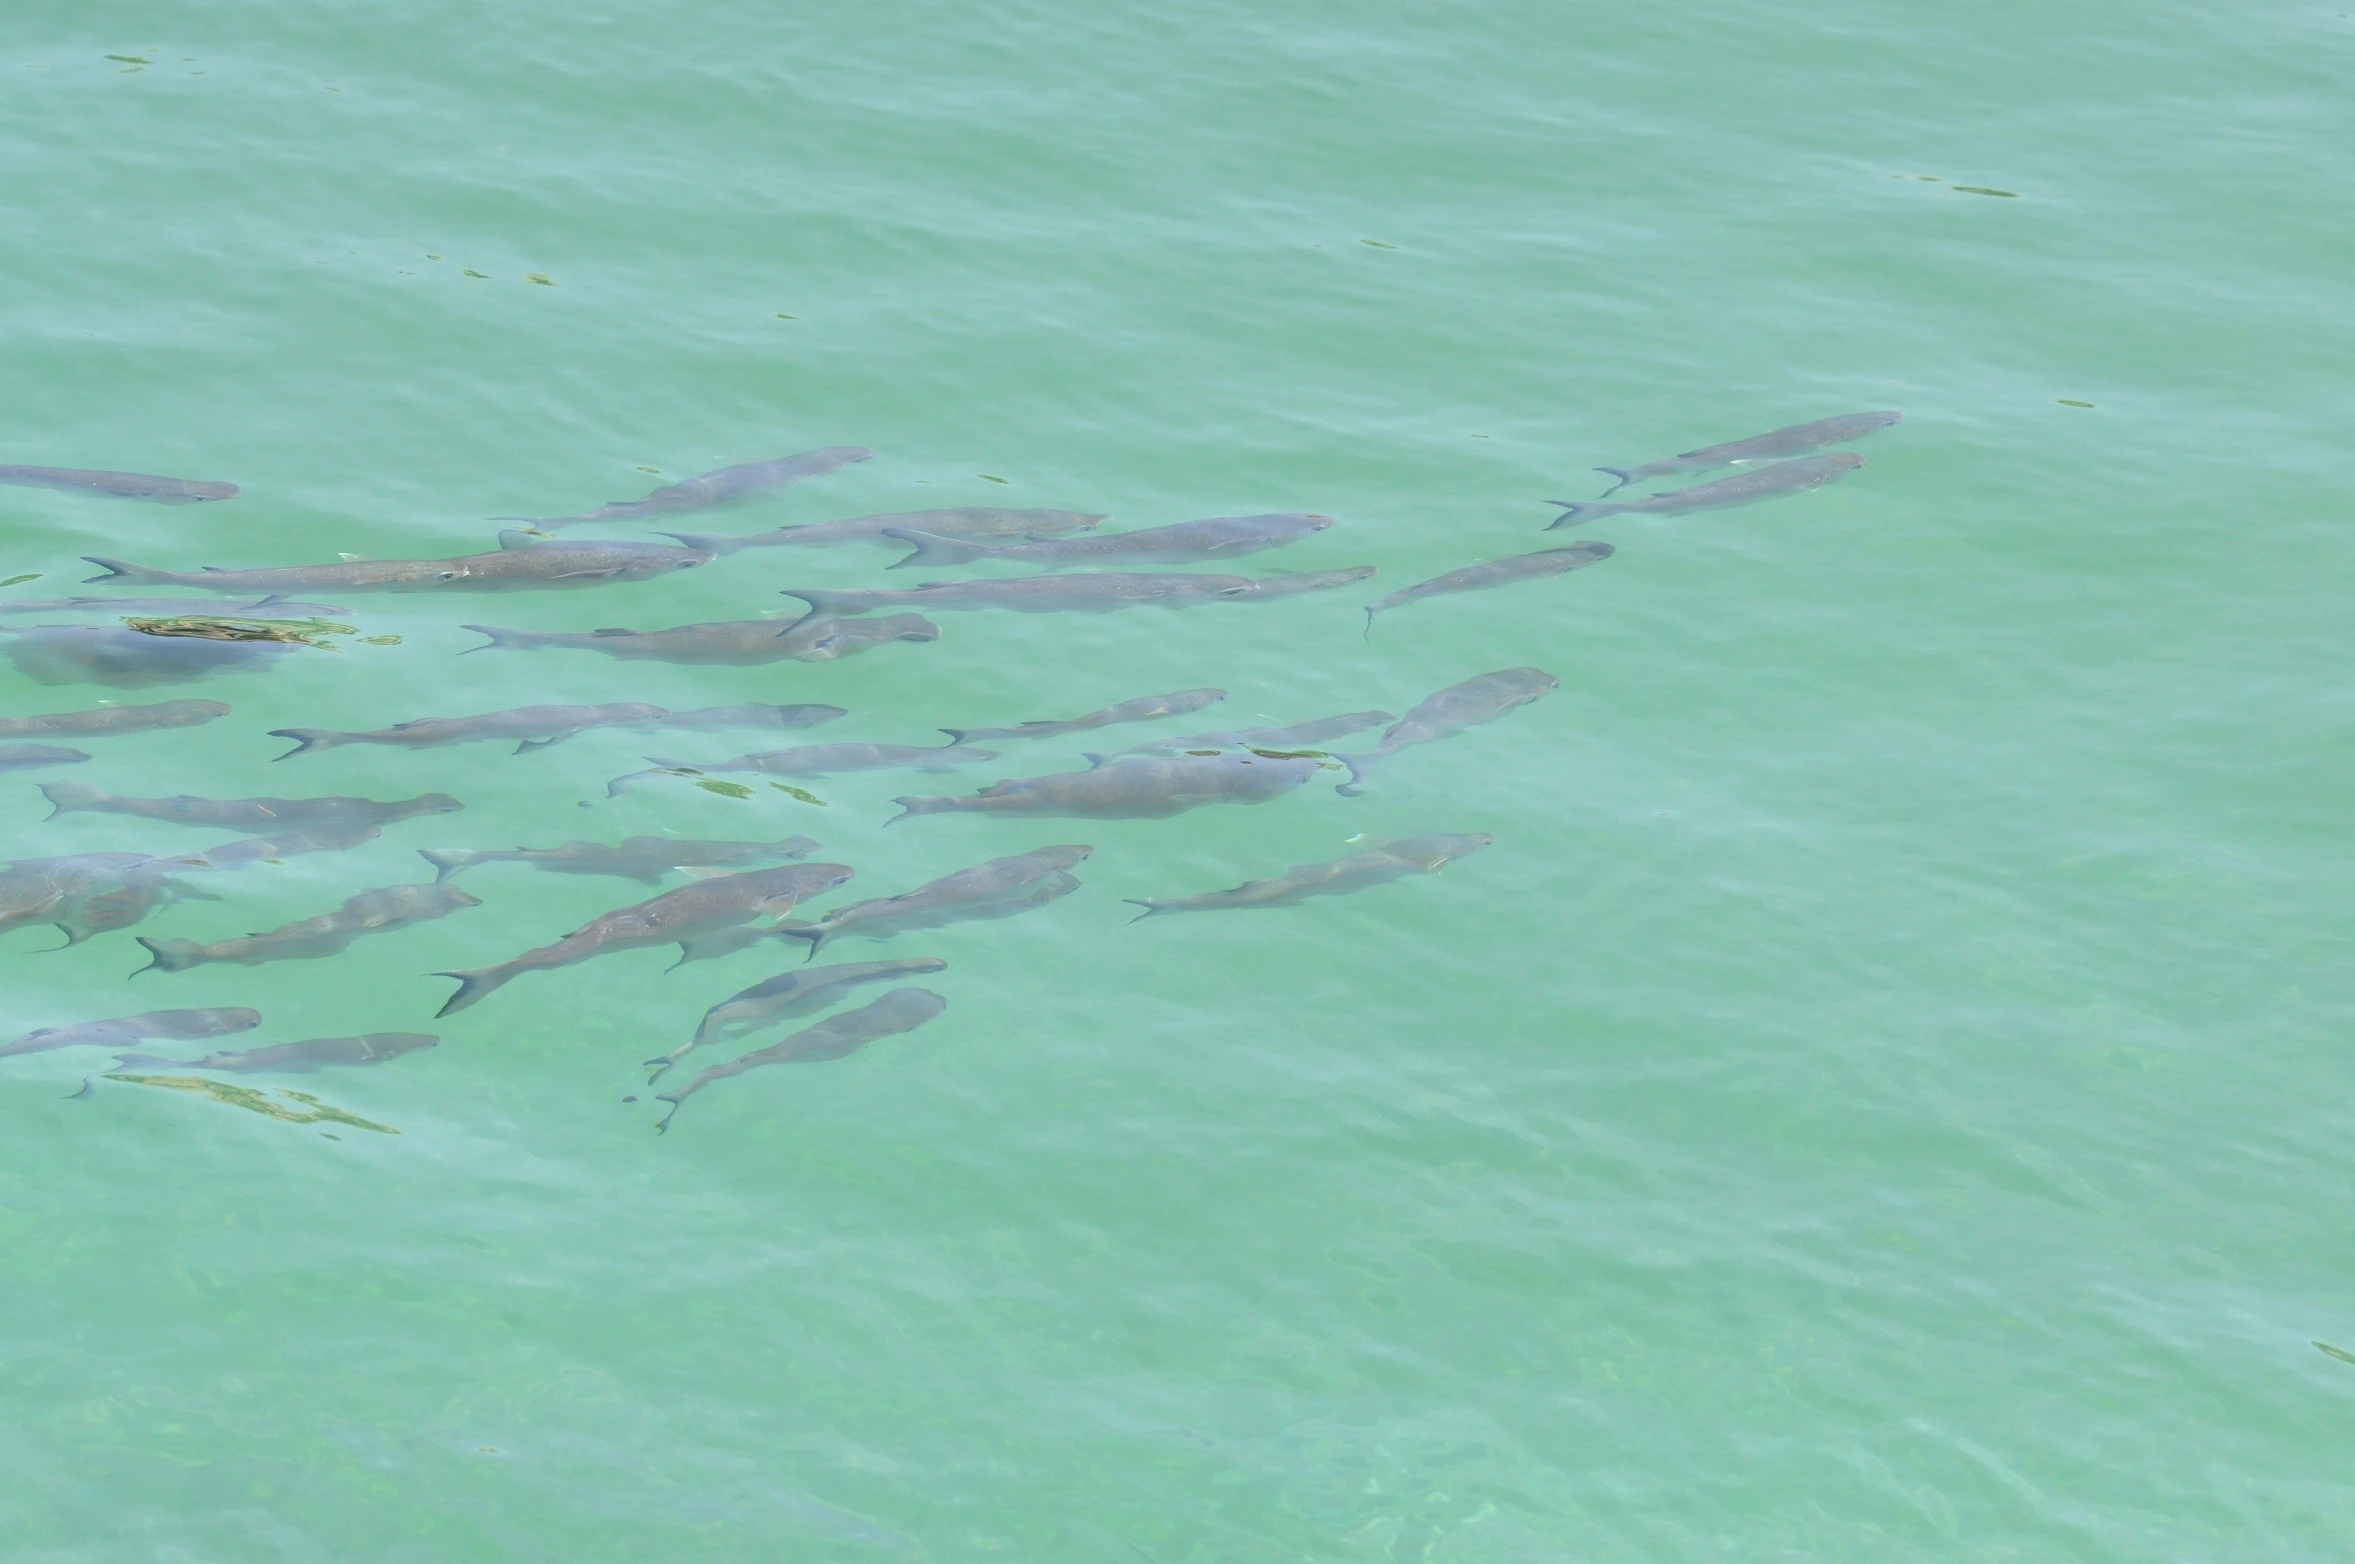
(1881,1097)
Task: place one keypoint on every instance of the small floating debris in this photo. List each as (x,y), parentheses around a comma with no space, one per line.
(307,1109)
(468,271)
(2339,1353)
(20,580)
(2008,195)
(991,476)
(539,278)
(1378,244)
(2070,401)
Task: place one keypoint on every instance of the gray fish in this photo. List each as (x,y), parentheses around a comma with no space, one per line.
(1483,698)
(178,1025)
(645,858)
(1132,787)
(738,643)
(298,1058)
(23,757)
(1143,709)
(519,565)
(86,894)
(665,920)
(785,996)
(370,912)
(283,845)
(1183,543)
(1298,736)
(122,485)
(1496,572)
(720,487)
(996,889)
(971,522)
(1743,488)
(126,659)
(114,719)
(816,760)
(754,715)
(836,1037)
(1375,866)
(532,727)
(1797,440)
(252,814)
(1092,593)
(275,607)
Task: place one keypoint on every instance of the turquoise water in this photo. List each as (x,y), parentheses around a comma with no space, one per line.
(1876,1100)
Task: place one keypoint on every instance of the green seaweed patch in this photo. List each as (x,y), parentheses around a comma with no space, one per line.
(2070,401)
(380,640)
(805,797)
(213,627)
(1289,754)
(2008,195)
(724,789)
(307,1110)
(20,580)
(129,59)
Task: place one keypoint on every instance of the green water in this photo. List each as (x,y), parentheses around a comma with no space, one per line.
(1877,1100)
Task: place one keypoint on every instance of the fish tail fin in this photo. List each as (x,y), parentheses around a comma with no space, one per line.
(307,739)
(66,797)
(446,861)
(709,542)
(1358,766)
(1578,512)
(933,550)
(122,570)
(824,602)
(957,736)
(909,808)
(814,933)
(511,640)
(475,986)
(171,955)
(1150,904)
(1624,476)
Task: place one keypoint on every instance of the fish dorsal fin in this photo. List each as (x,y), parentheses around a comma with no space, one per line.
(1094,760)
(512,539)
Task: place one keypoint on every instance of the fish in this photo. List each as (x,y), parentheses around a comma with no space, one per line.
(285,844)
(645,858)
(1743,488)
(836,1037)
(169,605)
(23,757)
(815,760)
(1299,735)
(253,814)
(1377,865)
(115,719)
(785,996)
(1132,787)
(1496,572)
(971,522)
(722,486)
(996,889)
(86,894)
(667,919)
(1185,542)
(1483,698)
(122,485)
(1797,440)
(1092,593)
(329,934)
(738,643)
(532,727)
(753,715)
(1143,709)
(126,659)
(518,565)
(121,1032)
(298,1058)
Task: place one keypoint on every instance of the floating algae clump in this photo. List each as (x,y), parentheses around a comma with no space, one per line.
(307,1110)
(213,627)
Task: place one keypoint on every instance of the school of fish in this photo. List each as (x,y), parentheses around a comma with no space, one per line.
(740,895)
